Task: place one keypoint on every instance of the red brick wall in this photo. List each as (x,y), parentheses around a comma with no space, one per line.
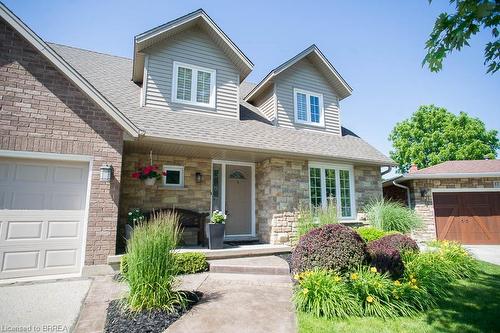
(42,111)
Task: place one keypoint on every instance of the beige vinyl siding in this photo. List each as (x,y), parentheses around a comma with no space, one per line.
(196,48)
(303,75)
(266,102)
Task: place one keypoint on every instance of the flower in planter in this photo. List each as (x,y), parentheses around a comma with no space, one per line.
(147,172)
(218,217)
(135,216)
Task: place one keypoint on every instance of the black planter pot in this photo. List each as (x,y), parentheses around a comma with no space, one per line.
(215,234)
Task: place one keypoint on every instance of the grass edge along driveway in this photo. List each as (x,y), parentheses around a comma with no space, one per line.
(473,306)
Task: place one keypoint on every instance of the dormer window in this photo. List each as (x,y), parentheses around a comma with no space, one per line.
(193,85)
(308,107)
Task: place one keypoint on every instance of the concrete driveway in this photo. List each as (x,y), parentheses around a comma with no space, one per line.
(41,306)
(488,253)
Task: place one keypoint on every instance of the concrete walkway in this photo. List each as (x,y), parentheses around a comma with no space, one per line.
(51,306)
(488,253)
(243,303)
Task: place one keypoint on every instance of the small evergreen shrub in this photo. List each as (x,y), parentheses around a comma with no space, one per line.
(151,266)
(332,247)
(385,253)
(369,233)
(392,216)
(190,262)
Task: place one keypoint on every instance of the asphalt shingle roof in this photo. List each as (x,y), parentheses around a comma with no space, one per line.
(111,75)
(460,167)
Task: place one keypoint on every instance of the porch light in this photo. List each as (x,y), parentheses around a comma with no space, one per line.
(106,173)
(199,177)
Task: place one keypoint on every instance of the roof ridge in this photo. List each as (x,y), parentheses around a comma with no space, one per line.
(87,50)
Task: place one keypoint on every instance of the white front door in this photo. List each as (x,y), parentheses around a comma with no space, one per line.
(42,214)
(233,192)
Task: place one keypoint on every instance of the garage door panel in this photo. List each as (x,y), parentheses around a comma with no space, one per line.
(42,220)
(474,217)
(24,230)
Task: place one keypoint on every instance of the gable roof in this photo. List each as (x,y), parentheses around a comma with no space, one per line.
(460,168)
(68,71)
(199,18)
(317,57)
(252,132)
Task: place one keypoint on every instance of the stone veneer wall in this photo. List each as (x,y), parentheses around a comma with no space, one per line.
(134,194)
(424,205)
(42,111)
(283,186)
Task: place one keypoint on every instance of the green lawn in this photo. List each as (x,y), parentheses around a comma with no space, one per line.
(474,306)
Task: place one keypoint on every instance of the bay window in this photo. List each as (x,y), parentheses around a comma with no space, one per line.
(332,184)
(193,85)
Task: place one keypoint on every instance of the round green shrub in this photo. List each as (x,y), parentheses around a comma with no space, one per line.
(332,247)
(385,253)
(369,233)
(191,262)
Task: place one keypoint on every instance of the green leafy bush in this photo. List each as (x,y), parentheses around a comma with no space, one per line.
(464,264)
(309,219)
(369,233)
(364,292)
(392,216)
(151,266)
(325,294)
(332,247)
(190,262)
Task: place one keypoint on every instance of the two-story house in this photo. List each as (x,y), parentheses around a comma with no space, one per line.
(256,151)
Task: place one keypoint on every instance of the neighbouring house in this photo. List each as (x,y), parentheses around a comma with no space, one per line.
(457,200)
(71,118)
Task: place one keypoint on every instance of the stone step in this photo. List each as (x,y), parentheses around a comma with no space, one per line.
(265,265)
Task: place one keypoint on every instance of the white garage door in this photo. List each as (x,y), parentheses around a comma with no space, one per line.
(42,213)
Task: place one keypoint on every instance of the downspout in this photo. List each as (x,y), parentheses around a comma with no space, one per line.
(407,191)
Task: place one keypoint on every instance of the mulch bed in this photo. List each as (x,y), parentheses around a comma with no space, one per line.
(156,321)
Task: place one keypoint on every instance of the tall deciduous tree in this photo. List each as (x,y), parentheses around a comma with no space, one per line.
(453,31)
(433,135)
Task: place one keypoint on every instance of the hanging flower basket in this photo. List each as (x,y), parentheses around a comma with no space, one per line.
(148,174)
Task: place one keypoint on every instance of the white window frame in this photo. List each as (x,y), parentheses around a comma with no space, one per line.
(173,168)
(324,199)
(194,86)
(308,108)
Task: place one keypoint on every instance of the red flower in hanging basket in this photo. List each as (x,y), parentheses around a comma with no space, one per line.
(150,171)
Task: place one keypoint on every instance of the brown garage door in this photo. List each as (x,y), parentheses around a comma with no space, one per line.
(470,218)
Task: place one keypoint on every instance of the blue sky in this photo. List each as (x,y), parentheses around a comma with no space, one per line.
(377,46)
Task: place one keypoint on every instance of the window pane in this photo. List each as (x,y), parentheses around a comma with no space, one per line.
(345,193)
(314,100)
(315,179)
(301,107)
(184,76)
(173,177)
(331,192)
(203,87)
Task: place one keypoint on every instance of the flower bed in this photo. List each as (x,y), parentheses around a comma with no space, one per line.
(395,280)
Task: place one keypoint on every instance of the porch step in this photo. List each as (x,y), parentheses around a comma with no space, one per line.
(240,251)
(265,265)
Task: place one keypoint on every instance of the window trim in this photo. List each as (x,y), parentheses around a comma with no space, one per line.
(194,85)
(337,168)
(308,107)
(173,168)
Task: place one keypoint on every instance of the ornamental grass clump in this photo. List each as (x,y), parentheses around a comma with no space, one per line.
(331,247)
(392,216)
(151,265)
(310,218)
